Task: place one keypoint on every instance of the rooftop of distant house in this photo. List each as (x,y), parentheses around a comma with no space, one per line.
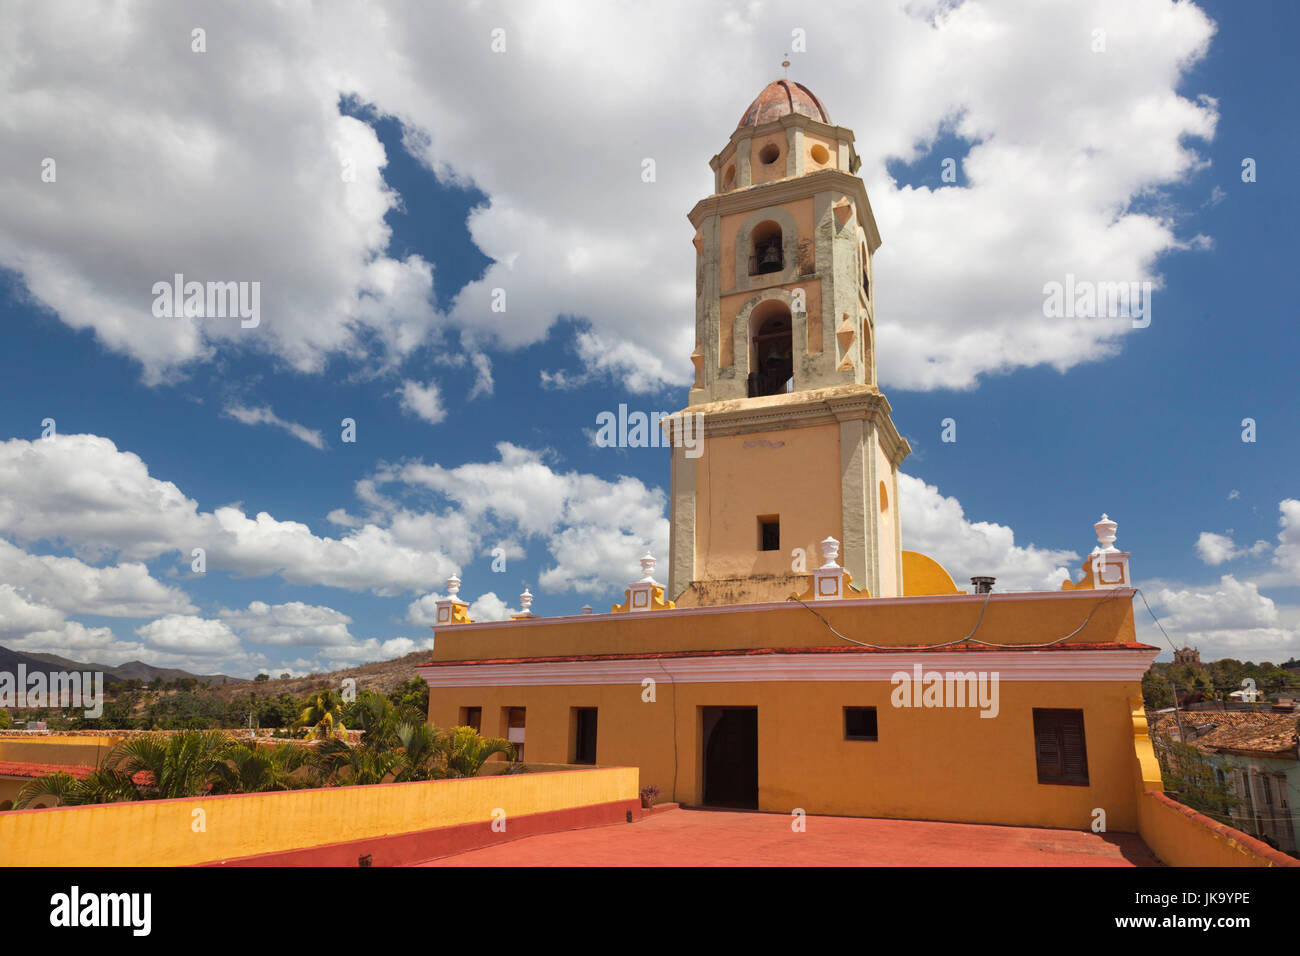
(1234,732)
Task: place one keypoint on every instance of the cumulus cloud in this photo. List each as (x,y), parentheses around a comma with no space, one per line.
(187,634)
(74,587)
(243,152)
(422,401)
(80,490)
(1229,619)
(937,525)
(1217,548)
(1284,570)
(593,529)
(265,416)
(292,624)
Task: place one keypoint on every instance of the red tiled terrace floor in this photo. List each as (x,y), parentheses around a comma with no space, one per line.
(740,838)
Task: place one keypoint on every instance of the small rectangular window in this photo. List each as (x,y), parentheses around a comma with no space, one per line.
(769,533)
(472,717)
(860,723)
(1059,747)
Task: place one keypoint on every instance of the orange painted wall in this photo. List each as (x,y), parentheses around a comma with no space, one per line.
(1180,837)
(800,209)
(927,764)
(1008,618)
(795,485)
(78,751)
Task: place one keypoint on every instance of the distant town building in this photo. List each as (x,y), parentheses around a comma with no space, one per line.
(1188,655)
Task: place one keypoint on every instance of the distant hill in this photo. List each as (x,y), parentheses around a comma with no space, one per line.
(383,676)
(138,670)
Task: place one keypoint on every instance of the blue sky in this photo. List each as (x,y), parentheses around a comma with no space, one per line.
(1145,426)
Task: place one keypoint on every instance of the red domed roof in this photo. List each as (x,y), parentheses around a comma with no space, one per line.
(781,98)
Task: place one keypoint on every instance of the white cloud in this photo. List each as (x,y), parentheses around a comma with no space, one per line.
(937,526)
(1232,605)
(1228,619)
(593,529)
(483,382)
(1216,549)
(423,401)
(291,624)
(187,634)
(74,587)
(81,491)
(265,416)
(1286,556)
(243,154)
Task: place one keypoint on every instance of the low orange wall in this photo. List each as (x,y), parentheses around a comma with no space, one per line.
(1180,836)
(79,751)
(211,829)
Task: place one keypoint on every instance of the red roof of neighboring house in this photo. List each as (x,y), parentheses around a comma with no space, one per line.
(13,768)
(758,651)
(1241,731)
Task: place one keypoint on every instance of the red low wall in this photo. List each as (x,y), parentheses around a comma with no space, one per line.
(403,849)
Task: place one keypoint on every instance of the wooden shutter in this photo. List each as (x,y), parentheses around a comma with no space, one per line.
(1059,745)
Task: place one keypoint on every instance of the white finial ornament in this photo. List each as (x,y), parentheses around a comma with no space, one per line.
(525,605)
(451,609)
(648,563)
(828,580)
(1105,529)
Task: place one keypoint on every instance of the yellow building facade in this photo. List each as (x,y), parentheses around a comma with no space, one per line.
(797,658)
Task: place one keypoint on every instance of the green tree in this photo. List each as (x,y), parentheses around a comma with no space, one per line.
(1193,780)
(467,751)
(256,768)
(1155,691)
(323,713)
(186,764)
(5,720)
(413,694)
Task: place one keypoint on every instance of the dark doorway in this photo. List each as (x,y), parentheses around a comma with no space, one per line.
(584,743)
(731,757)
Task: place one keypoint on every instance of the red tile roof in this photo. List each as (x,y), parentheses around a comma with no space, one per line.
(1240,731)
(12,768)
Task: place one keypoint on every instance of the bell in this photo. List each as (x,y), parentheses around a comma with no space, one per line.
(770,256)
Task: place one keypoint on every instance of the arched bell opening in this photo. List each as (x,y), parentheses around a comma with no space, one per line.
(767,253)
(771,353)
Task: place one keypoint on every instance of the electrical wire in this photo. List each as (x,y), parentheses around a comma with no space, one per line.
(968,639)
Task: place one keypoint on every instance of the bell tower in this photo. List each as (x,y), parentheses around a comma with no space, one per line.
(797,439)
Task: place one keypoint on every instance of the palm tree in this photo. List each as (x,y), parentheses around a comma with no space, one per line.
(423,752)
(324,714)
(99,786)
(467,751)
(256,768)
(185,764)
(335,763)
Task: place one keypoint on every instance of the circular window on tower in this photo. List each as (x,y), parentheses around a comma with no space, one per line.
(769,154)
(820,154)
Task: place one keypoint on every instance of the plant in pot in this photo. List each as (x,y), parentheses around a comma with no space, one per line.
(649,796)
